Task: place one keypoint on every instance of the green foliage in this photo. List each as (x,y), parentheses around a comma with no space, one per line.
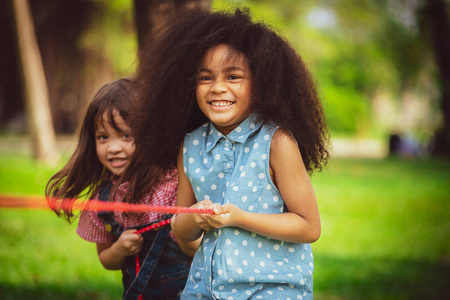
(112,35)
(354,48)
(385,233)
(345,109)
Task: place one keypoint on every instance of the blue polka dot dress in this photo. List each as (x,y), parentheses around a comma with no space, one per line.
(232,263)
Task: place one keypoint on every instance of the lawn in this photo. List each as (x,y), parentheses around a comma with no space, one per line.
(385,235)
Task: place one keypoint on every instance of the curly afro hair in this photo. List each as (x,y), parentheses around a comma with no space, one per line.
(283,90)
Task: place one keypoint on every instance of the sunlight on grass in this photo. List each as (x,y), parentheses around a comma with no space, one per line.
(384,225)
(41,256)
(385,233)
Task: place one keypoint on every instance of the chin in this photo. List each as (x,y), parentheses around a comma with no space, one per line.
(223,121)
(117,172)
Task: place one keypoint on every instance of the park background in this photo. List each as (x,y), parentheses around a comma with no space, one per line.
(383,74)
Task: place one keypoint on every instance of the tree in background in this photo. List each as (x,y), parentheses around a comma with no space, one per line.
(73,69)
(358,50)
(436,26)
(34,86)
(83,44)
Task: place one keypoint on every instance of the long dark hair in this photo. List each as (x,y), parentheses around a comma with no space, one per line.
(83,173)
(283,91)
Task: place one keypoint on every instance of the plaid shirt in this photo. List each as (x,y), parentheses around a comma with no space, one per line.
(92,229)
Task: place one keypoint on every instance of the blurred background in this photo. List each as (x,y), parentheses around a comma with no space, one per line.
(383,73)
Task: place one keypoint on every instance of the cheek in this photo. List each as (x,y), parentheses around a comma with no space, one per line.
(201,91)
(247,91)
(245,95)
(198,96)
(100,151)
(200,103)
(131,148)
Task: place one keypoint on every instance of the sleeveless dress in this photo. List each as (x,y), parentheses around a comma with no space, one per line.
(232,263)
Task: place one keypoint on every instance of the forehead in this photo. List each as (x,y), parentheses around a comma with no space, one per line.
(224,56)
(111,117)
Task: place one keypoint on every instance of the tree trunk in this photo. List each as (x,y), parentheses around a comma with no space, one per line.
(34,86)
(151,14)
(12,105)
(438,25)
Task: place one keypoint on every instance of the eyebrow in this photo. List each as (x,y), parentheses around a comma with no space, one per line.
(227,69)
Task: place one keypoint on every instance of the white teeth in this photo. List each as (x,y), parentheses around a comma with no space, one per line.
(221,103)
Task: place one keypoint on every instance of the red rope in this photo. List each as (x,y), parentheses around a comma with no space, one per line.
(154,226)
(142,230)
(96,205)
(138,266)
(34,202)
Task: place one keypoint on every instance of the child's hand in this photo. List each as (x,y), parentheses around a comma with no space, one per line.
(129,243)
(201,220)
(207,221)
(225,215)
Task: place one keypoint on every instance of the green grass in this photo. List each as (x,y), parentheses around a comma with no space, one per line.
(385,230)
(41,256)
(385,235)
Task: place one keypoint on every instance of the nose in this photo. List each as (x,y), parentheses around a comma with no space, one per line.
(114,146)
(219,86)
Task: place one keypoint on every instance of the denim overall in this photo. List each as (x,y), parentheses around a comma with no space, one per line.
(164,267)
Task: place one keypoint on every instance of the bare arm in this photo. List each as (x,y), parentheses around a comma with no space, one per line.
(301,224)
(112,256)
(188,227)
(189,248)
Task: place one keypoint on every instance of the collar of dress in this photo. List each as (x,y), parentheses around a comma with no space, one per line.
(238,135)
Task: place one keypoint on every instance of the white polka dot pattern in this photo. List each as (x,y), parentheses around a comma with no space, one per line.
(233,263)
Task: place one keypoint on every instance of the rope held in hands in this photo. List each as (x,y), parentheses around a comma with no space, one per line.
(35,202)
(58,204)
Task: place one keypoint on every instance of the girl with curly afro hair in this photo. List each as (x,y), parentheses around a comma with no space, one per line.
(233,105)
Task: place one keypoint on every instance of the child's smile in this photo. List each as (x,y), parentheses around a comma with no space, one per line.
(221,103)
(224,88)
(114,148)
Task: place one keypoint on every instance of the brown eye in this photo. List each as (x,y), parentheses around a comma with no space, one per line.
(204,78)
(101,137)
(234,77)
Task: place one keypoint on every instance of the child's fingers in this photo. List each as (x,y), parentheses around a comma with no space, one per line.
(129,238)
(202,204)
(227,216)
(227,208)
(134,245)
(129,232)
(137,248)
(215,207)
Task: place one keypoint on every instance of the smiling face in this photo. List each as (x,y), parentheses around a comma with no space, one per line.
(224,88)
(114,148)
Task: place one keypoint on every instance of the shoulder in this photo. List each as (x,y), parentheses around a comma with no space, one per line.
(283,139)
(285,159)
(284,147)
